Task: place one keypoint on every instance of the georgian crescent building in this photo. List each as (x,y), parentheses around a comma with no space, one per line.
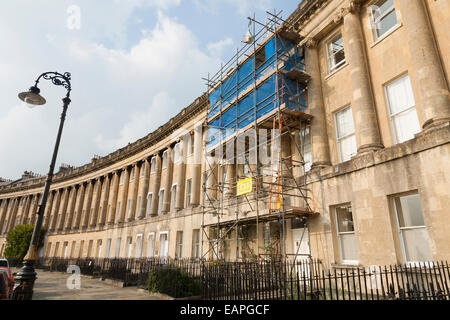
(363,171)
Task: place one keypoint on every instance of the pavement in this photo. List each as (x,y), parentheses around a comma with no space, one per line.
(53,286)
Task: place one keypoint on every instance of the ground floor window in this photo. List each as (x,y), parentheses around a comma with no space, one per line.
(179,251)
(411,225)
(348,251)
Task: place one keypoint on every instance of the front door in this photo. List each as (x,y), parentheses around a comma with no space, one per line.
(301,252)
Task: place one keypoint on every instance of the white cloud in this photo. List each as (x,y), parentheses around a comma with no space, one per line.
(216,48)
(119,95)
(244,7)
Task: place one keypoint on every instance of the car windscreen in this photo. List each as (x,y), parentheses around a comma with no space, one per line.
(3,263)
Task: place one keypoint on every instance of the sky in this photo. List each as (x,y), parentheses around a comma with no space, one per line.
(134,65)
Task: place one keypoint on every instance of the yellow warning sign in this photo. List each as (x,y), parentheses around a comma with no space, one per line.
(244,186)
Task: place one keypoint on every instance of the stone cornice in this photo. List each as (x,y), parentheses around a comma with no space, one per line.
(304,12)
(131,149)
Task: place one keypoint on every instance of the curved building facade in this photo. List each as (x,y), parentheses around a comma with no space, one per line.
(370,181)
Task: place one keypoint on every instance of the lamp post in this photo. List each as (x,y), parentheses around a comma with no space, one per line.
(25,278)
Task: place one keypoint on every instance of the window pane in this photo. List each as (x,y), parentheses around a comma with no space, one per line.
(344,122)
(400,95)
(345,219)
(348,147)
(348,247)
(409,211)
(387,23)
(385,5)
(416,245)
(406,125)
(336,54)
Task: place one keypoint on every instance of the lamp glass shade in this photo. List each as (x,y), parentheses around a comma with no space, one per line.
(32,97)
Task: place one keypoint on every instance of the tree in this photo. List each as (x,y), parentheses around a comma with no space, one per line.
(18,241)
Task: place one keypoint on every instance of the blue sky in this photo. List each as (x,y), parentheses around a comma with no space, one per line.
(134,65)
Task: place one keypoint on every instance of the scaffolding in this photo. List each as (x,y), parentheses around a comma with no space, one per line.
(258,94)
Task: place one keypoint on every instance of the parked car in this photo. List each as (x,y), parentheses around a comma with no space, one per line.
(4,287)
(9,275)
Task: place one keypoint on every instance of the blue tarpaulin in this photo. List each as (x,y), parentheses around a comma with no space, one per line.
(236,115)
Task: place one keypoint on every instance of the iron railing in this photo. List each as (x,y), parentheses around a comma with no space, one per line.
(307,279)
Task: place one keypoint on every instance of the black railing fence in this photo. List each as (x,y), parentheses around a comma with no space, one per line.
(307,279)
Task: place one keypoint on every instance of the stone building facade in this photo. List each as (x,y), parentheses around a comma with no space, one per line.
(379,175)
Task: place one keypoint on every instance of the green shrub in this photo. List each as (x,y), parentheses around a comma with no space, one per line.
(173,282)
(18,241)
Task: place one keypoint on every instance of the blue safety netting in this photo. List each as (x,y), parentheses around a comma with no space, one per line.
(235,115)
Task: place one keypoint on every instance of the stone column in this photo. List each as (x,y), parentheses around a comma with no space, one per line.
(5,216)
(133,192)
(63,209)
(316,106)
(13,214)
(427,69)
(87,204)
(79,206)
(211,179)
(26,210)
(179,176)
(55,209)
(168,182)
(365,117)
(196,166)
(126,184)
(3,212)
(230,182)
(144,189)
(104,200)
(71,207)
(112,203)
(48,209)
(96,202)
(19,214)
(156,185)
(34,210)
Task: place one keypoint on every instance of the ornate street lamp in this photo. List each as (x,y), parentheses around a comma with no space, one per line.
(25,278)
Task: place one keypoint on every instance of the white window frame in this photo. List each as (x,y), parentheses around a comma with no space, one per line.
(164,159)
(339,233)
(159,249)
(108,248)
(400,233)
(375,21)
(161,200)
(141,175)
(188,192)
(128,208)
(334,67)
(132,173)
(191,144)
(196,245)
(118,247)
(348,135)
(149,204)
(177,153)
(179,245)
(153,165)
(151,239)
(303,134)
(138,204)
(391,115)
(173,198)
(139,245)
(129,247)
